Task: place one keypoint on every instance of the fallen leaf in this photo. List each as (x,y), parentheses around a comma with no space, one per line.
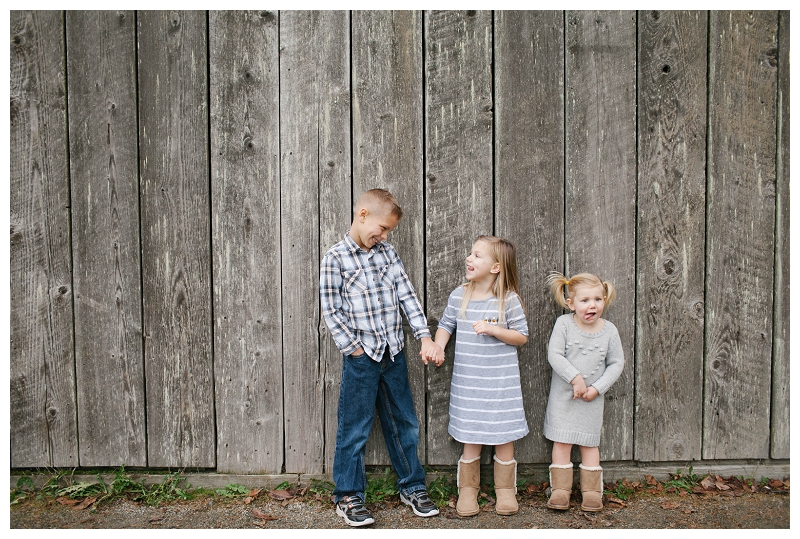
(650,480)
(280,495)
(775,483)
(155,519)
(708,482)
(670,505)
(254,493)
(63,500)
(263,516)
(248,500)
(86,503)
(615,500)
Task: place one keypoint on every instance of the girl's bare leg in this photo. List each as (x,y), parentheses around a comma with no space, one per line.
(590,456)
(505,452)
(472,451)
(562,453)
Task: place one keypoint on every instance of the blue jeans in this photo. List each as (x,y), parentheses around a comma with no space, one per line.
(367,385)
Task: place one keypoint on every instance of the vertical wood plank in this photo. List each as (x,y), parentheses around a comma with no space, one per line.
(176,259)
(600,218)
(388,152)
(101,60)
(43,410)
(671,235)
(740,243)
(529,187)
(245,199)
(314,76)
(335,187)
(779,409)
(458,141)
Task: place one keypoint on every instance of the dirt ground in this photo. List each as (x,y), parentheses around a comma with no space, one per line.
(647,509)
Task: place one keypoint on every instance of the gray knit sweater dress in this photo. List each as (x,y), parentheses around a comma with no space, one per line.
(485,390)
(598,357)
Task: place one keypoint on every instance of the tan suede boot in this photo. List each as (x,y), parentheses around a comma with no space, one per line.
(468,479)
(591,488)
(560,486)
(505,486)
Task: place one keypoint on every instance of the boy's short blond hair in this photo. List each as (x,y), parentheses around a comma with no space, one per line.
(379,201)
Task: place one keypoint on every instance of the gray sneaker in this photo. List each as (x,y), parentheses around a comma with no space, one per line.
(421,503)
(353,511)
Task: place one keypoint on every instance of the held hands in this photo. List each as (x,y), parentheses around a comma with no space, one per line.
(431,351)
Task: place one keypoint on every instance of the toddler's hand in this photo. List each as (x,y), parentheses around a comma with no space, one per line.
(590,395)
(578,387)
(482,327)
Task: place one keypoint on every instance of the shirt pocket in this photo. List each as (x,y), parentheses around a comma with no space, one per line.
(355,281)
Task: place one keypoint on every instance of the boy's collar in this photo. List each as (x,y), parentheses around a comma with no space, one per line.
(354,247)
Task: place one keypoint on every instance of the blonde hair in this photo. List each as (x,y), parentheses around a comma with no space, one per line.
(379,201)
(563,288)
(504,253)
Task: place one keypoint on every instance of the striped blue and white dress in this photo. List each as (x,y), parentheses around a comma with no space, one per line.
(485,391)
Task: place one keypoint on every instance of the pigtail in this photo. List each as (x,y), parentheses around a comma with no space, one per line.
(558,287)
(610,292)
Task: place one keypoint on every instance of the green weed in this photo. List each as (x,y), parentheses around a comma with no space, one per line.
(620,489)
(22,490)
(321,488)
(234,491)
(441,490)
(382,487)
(681,481)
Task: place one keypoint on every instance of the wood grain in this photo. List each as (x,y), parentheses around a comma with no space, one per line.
(176,258)
(313,76)
(600,197)
(43,414)
(780,405)
(741,218)
(245,208)
(387,121)
(740,236)
(335,187)
(671,234)
(109,360)
(529,187)
(459,183)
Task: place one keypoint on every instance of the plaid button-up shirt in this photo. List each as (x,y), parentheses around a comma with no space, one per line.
(361,293)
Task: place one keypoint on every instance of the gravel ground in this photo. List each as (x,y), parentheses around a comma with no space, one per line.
(642,511)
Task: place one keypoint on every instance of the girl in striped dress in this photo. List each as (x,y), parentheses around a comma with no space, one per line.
(487,316)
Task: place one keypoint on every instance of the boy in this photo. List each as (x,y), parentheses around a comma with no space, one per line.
(362,287)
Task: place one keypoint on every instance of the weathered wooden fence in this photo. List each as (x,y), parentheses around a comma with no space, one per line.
(176,178)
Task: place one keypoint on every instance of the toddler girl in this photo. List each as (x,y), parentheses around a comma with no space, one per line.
(585,353)
(485,393)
